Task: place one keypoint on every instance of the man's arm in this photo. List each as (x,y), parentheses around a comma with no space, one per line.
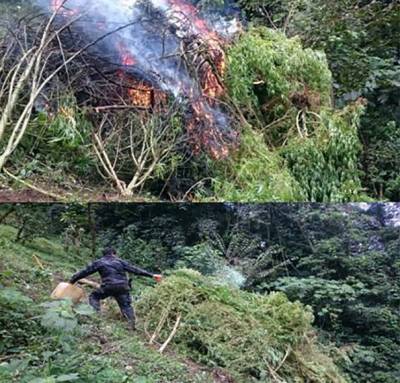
(136,270)
(91,269)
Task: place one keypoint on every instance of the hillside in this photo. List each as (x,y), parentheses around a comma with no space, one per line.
(109,352)
(35,345)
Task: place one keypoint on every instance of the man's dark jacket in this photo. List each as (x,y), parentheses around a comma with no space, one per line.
(112,271)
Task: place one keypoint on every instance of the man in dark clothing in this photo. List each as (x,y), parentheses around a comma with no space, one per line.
(114,282)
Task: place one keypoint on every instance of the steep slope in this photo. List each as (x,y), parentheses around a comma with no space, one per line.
(103,351)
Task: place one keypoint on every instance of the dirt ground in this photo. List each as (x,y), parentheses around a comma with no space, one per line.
(26,195)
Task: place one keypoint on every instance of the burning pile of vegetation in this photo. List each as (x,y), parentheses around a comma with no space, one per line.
(254,337)
(161,97)
(155,58)
(162,48)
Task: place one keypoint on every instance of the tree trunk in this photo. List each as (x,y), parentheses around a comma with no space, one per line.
(92,228)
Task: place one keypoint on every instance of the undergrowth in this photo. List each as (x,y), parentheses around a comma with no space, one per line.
(254,174)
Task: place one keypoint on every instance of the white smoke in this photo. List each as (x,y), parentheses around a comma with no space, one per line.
(153,36)
(229,276)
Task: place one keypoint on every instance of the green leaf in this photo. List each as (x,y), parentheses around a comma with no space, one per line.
(49,379)
(67,377)
(84,309)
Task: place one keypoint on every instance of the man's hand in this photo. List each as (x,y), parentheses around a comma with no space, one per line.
(157,277)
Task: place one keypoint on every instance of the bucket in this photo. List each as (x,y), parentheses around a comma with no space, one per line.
(67,290)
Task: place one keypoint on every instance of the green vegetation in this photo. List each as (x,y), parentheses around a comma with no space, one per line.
(42,342)
(345,264)
(285,92)
(54,342)
(254,173)
(340,260)
(266,71)
(360,41)
(326,164)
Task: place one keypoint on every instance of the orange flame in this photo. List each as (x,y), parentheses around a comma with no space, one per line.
(209,78)
(140,94)
(190,13)
(204,135)
(126,57)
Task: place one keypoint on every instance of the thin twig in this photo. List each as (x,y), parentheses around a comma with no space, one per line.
(29,185)
(173,332)
(193,186)
(37,260)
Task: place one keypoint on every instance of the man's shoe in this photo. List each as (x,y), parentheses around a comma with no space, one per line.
(132,326)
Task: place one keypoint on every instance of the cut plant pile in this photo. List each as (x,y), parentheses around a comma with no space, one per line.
(255,337)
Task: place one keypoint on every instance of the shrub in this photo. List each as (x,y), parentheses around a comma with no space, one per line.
(328,298)
(61,140)
(326,163)
(254,173)
(266,70)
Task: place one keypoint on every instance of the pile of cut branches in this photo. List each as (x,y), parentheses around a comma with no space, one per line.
(255,337)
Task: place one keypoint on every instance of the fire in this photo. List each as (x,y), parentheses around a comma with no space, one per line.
(140,94)
(208,128)
(189,13)
(204,135)
(126,57)
(204,131)
(210,81)
(144,95)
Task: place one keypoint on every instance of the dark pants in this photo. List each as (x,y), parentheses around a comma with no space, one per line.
(121,294)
